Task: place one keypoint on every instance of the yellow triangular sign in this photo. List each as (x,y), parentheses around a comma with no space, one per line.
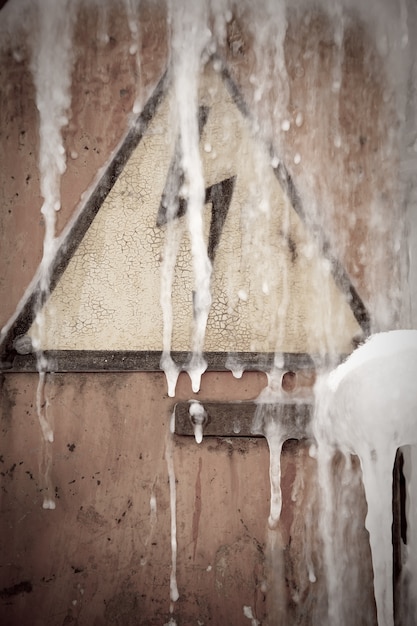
(272,290)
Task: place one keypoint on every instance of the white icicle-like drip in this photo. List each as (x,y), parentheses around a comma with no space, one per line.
(247,612)
(174,595)
(267,422)
(51,67)
(189,38)
(367,406)
(198,418)
(172,241)
(133,12)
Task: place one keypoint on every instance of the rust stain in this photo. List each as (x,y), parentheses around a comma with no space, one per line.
(197,506)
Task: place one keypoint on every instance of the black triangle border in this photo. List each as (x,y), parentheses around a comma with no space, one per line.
(106,360)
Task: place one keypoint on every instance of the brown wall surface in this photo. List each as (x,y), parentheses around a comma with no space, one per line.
(103,556)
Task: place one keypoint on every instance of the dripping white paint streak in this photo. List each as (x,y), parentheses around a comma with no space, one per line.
(173,506)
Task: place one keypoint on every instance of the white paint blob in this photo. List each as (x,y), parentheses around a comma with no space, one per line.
(235,365)
(153,509)
(48,503)
(247,612)
(368,406)
(198,417)
(299,119)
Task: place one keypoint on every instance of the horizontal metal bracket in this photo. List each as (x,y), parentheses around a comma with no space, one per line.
(242,419)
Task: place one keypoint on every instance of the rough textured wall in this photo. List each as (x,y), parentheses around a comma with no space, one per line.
(103,555)
(104,86)
(339,109)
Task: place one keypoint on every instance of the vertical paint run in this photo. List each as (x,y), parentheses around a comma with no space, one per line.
(51,66)
(133,11)
(174,595)
(189,37)
(167,363)
(275,437)
(268,422)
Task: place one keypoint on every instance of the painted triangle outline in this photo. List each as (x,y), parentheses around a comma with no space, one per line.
(99,360)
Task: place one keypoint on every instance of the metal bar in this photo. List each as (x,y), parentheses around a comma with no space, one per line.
(236,419)
(148,360)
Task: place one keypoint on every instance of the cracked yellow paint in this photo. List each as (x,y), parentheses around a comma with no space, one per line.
(271,290)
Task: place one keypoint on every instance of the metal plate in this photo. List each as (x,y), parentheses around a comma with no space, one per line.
(236,419)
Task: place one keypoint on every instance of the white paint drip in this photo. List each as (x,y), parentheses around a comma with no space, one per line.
(42,404)
(173,504)
(52,77)
(153,508)
(132,11)
(198,417)
(171,371)
(195,369)
(198,433)
(45,466)
(275,437)
(266,423)
(247,612)
(367,406)
(51,66)
(42,407)
(190,35)
(172,242)
(48,503)
(235,365)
